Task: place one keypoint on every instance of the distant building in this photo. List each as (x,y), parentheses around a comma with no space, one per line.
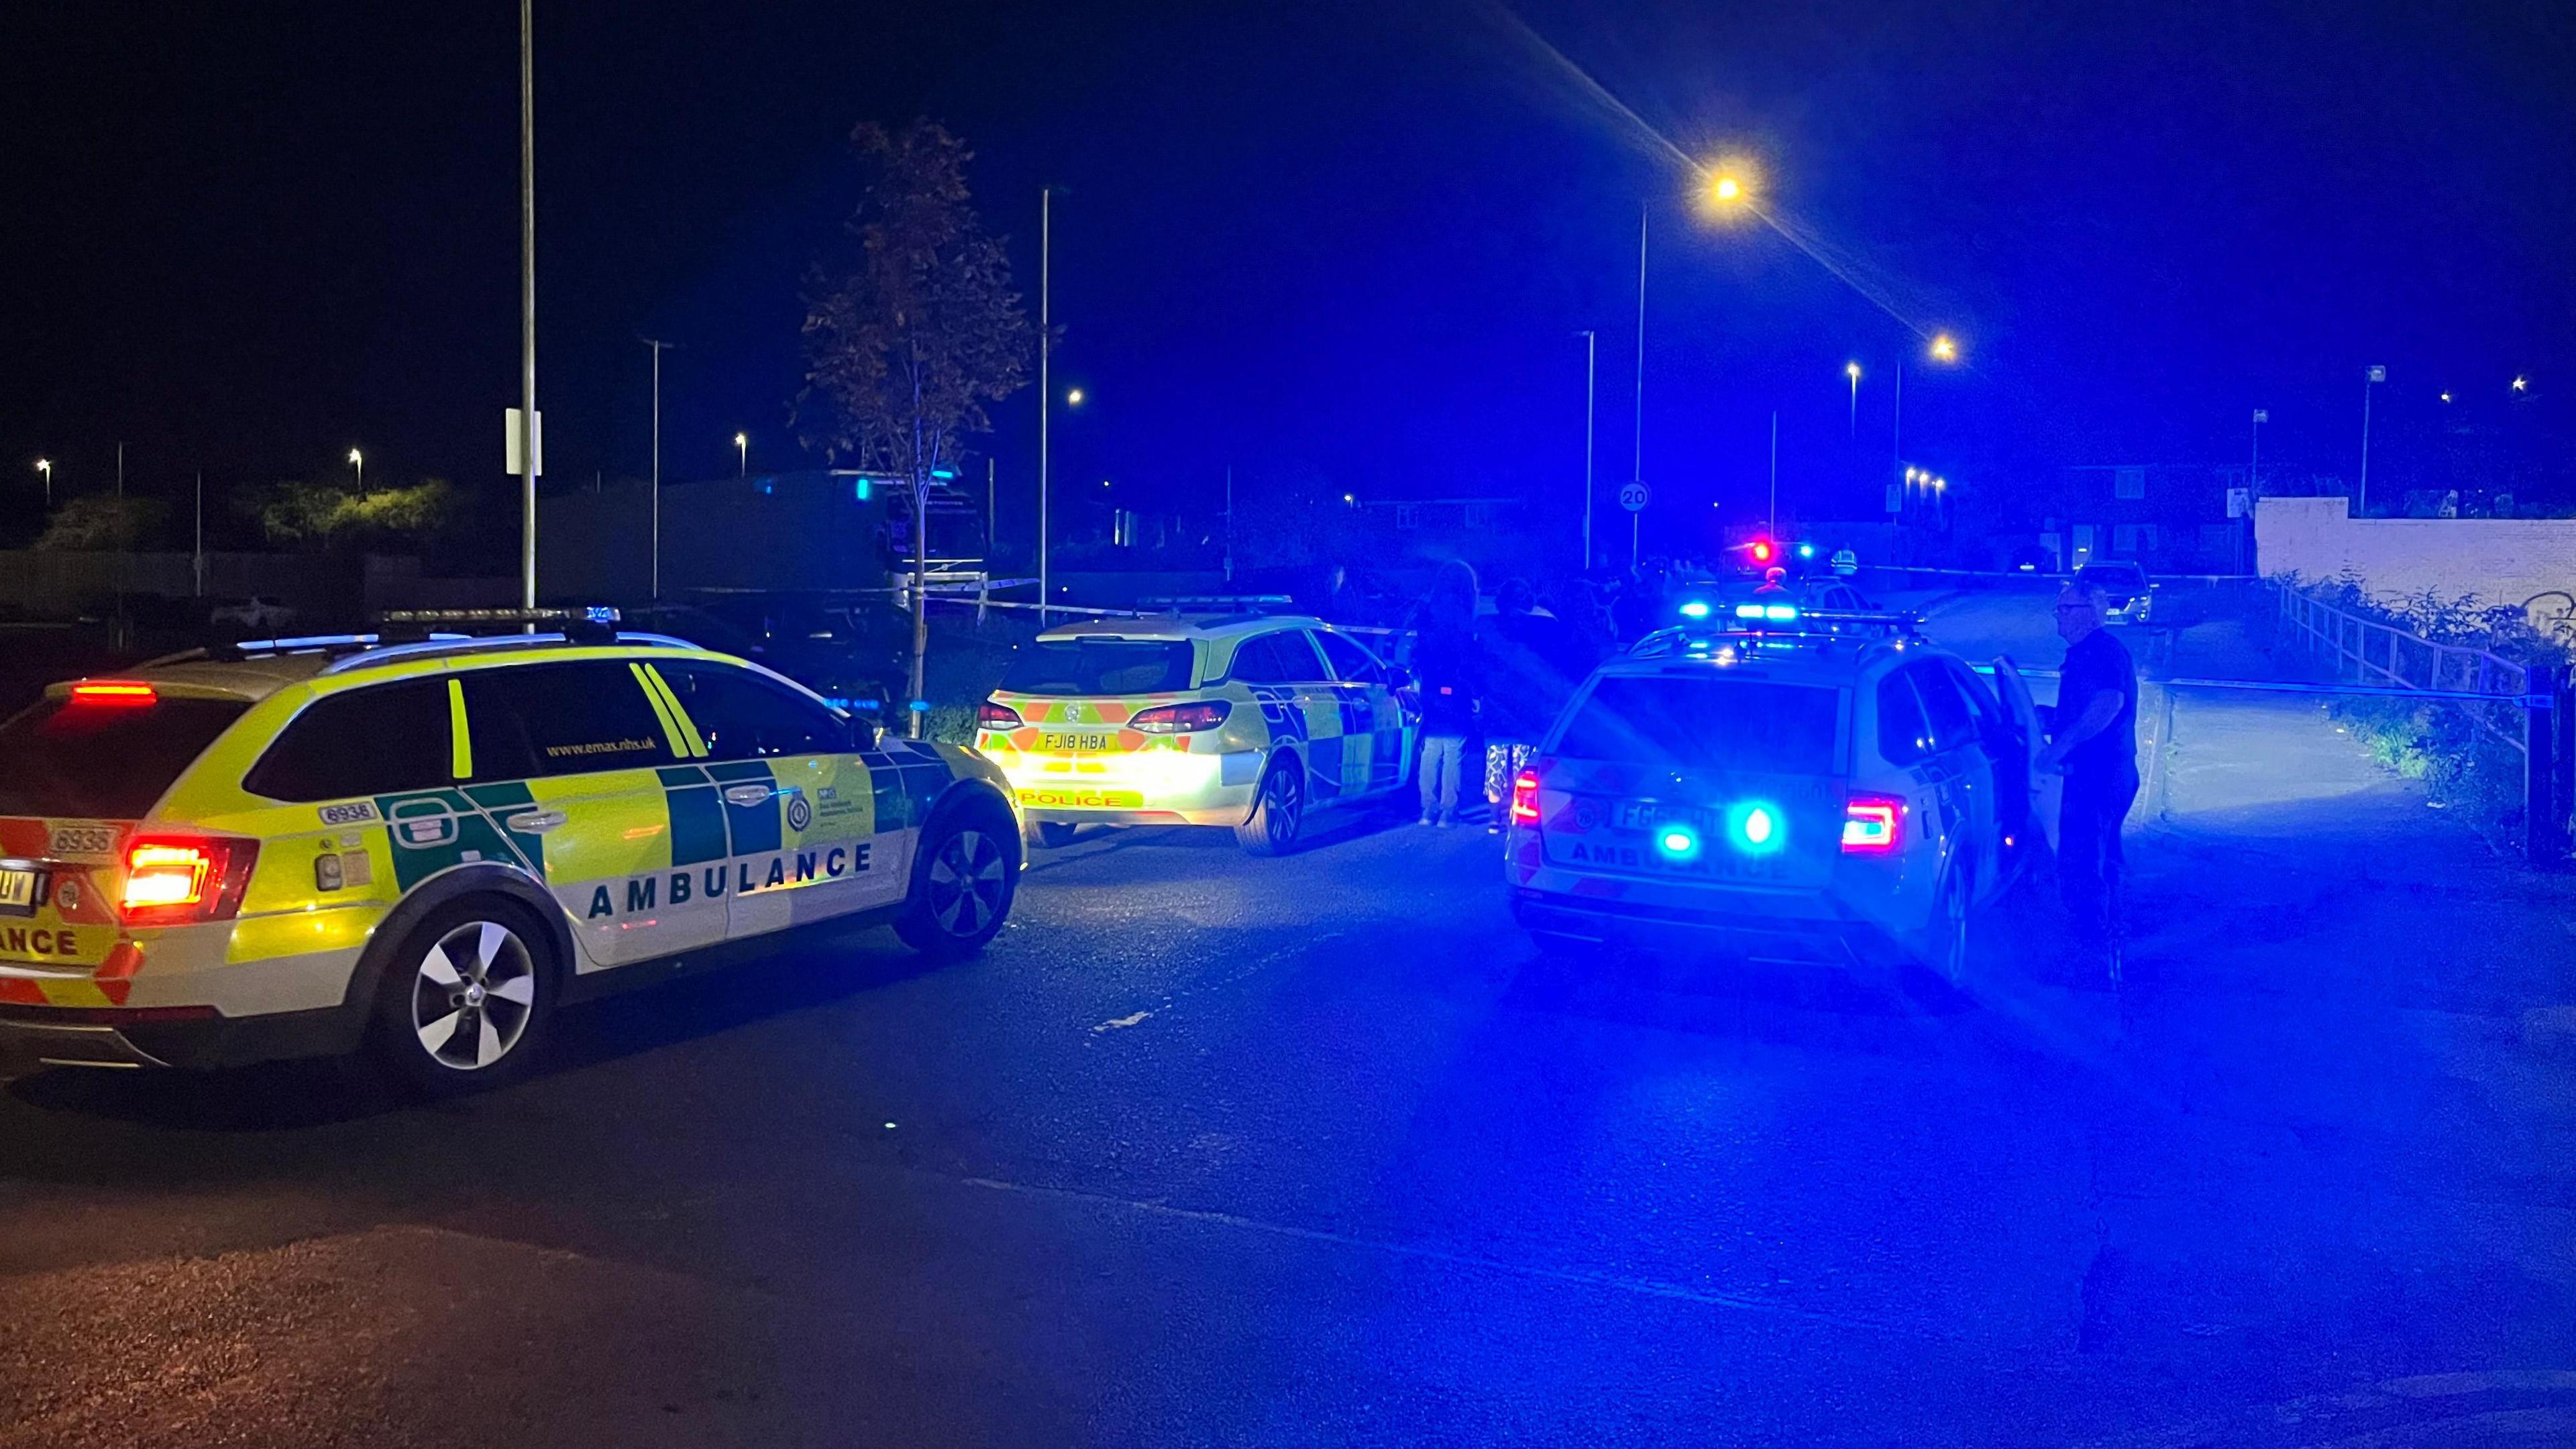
(2170,517)
(816,529)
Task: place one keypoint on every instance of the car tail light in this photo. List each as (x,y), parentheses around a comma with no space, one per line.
(991,716)
(1525,798)
(171,881)
(113,691)
(1173,719)
(1873,824)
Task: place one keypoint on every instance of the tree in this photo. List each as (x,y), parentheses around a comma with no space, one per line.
(320,516)
(908,339)
(100,522)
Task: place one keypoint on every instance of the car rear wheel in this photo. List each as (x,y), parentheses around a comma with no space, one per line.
(1277,812)
(963,882)
(465,997)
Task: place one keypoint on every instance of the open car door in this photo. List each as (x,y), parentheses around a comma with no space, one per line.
(2046,791)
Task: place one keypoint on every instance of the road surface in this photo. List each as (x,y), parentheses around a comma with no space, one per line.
(1210,1150)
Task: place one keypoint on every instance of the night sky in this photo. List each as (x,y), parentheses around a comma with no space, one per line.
(1344,242)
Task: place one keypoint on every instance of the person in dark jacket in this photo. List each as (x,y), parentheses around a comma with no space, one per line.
(1447,666)
(2095,745)
(1534,662)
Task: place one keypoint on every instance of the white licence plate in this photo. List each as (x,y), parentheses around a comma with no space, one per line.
(17,890)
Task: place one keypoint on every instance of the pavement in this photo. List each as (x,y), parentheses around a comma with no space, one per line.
(1317,1150)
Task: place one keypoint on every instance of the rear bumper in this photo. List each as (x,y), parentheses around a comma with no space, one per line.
(1152,787)
(1818,933)
(33,1038)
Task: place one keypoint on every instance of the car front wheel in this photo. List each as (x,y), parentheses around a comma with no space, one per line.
(963,882)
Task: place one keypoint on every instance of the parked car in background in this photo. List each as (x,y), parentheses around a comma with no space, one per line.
(2125,588)
(257,617)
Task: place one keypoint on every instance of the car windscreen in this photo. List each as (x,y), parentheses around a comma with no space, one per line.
(1706,723)
(1099,666)
(101,761)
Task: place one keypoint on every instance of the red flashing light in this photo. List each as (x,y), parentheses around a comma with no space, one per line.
(1525,798)
(172,881)
(1873,824)
(991,716)
(1762,550)
(1174,719)
(113,691)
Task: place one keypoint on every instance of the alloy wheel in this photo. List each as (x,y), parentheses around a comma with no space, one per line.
(474,993)
(966,881)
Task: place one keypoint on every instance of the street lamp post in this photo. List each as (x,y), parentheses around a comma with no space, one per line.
(46,467)
(1637,453)
(1046,399)
(2369,376)
(1591,352)
(742,455)
(358,461)
(1852,371)
(528,306)
(658,349)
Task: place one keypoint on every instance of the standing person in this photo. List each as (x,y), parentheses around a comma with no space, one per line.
(2096,746)
(1446,672)
(1534,667)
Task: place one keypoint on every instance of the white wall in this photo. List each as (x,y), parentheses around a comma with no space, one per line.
(2497,560)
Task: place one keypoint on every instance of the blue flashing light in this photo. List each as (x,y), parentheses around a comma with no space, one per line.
(1678,841)
(1695,609)
(1806,550)
(944,475)
(1756,827)
(1780,611)
(860,490)
(1748,611)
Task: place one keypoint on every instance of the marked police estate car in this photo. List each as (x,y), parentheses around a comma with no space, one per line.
(1249,721)
(1783,784)
(305,846)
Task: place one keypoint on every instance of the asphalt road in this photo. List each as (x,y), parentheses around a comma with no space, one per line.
(1212,1150)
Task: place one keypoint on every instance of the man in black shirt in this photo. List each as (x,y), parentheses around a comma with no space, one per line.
(2096,746)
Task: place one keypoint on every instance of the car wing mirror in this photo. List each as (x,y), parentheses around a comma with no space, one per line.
(1398,677)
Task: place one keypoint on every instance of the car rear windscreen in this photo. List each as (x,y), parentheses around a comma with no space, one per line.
(1707,723)
(103,761)
(1100,666)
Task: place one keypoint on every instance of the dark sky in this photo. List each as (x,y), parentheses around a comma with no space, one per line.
(1349,241)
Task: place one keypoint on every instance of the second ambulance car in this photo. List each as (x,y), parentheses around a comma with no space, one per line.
(307,847)
(1250,721)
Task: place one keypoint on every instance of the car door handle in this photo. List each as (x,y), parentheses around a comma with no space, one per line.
(536,822)
(748,794)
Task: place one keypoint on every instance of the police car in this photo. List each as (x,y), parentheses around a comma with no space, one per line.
(303,847)
(1251,721)
(1786,784)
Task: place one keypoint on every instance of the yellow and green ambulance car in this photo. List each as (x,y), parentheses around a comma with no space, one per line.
(1252,721)
(312,846)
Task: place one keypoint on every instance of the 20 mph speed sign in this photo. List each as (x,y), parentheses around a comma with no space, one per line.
(1632,496)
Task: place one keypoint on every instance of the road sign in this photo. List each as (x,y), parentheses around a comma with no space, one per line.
(1632,496)
(2262,415)
(510,448)
(1895,498)
(2240,501)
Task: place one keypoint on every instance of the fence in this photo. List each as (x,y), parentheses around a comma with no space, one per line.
(2526,706)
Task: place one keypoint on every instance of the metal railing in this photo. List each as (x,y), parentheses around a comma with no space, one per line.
(2528,706)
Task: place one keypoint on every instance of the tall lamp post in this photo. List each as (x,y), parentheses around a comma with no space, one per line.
(1046,399)
(528,305)
(1591,353)
(46,467)
(358,462)
(742,455)
(658,349)
(1852,371)
(2369,377)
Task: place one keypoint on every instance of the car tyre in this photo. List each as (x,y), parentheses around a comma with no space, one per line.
(1278,810)
(964,879)
(466,998)
(1054,834)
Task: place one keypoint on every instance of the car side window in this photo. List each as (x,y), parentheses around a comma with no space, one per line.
(742,716)
(1281,658)
(1952,725)
(1351,662)
(1904,732)
(1992,722)
(378,740)
(571,718)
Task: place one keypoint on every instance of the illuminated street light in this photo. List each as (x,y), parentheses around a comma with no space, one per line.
(1347,498)
(1726,189)
(1852,371)
(1073,398)
(358,461)
(741,455)
(46,467)
(2521,384)
(1943,349)
(2446,394)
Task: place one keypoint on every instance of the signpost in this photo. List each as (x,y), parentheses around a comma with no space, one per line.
(1633,497)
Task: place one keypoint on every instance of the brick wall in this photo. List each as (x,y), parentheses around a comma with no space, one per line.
(2497,560)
